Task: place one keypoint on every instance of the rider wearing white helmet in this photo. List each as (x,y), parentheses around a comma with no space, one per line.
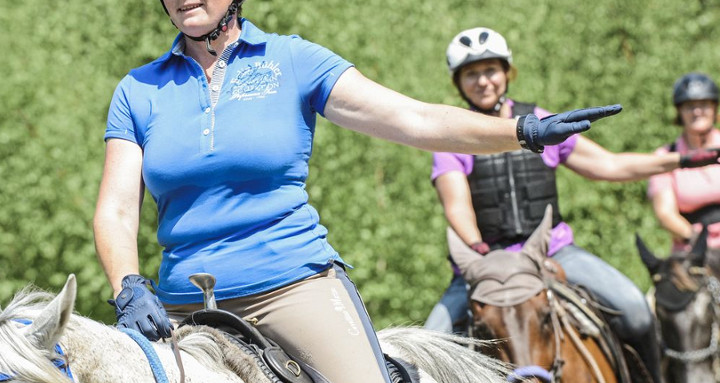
(496,201)
(479,44)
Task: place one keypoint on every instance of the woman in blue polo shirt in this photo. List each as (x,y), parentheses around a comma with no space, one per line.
(220,129)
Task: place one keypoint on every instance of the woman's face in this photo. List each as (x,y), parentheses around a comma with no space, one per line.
(196,17)
(698,116)
(483,82)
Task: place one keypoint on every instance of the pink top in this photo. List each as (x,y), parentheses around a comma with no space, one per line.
(693,188)
(553,156)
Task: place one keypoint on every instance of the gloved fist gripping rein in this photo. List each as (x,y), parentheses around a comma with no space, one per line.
(139,309)
(700,157)
(534,133)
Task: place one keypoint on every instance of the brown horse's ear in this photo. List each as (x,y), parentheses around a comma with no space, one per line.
(464,257)
(537,245)
(651,262)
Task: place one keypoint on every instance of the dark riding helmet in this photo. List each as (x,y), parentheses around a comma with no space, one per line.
(694,86)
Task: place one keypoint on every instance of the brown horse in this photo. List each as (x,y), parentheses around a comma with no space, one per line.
(687,305)
(545,327)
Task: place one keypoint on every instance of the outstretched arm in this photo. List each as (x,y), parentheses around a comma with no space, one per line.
(595,162)
(362,105)
(117,213)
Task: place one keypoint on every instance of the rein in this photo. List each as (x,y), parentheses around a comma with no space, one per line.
(696,356)
(152,356)
(568,328)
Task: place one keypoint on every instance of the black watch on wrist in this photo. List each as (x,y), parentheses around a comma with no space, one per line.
(520,133)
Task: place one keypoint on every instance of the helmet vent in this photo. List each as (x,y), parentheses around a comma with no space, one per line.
(465,41)
(483,37)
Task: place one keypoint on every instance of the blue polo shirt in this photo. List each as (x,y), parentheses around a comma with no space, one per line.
(226,161)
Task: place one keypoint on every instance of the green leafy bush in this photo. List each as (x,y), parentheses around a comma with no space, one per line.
(375,197)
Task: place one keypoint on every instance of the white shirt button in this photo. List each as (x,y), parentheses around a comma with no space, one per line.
(207,110)
(215,88)
(221,64)
(206,132)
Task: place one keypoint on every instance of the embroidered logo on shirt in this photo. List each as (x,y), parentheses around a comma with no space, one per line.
(256,81)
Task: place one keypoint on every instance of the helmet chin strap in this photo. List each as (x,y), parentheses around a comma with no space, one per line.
(221,27)
(495,109)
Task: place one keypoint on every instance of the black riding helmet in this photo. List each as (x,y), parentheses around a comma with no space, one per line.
(221,27)
(694,86)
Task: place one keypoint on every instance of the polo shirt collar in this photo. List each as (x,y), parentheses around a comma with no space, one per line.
(250,34)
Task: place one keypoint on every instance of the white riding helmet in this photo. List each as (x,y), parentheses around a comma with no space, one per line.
(478,44)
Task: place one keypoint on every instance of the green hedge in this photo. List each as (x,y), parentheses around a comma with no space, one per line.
(60,66)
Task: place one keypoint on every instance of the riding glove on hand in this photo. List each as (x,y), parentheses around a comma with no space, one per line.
(700,157)
(533,133)
(139,309)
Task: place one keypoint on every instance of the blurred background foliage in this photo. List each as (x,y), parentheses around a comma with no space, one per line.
(60,66)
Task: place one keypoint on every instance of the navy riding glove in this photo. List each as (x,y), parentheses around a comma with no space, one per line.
(700,157)
(139,309)
(533,133)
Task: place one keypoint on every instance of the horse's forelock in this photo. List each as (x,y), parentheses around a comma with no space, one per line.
(27,303)
(19,358)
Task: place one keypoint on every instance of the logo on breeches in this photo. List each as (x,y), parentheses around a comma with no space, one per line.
(256,81)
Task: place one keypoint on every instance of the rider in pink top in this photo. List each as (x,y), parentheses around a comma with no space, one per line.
(693,188)
(685,199)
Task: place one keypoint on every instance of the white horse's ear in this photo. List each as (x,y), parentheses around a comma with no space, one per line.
(48,326)
(539,242)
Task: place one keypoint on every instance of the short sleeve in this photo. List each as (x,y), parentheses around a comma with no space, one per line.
(541,113)
(120,123)
(317,69)
(566,148)
(444,162)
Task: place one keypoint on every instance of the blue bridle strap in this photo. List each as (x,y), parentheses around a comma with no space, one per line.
(60,363)
(152,356)
(525,372)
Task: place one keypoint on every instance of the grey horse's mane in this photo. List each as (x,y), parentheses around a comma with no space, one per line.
(440,354)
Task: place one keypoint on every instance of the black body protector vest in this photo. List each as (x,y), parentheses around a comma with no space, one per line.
(510,192)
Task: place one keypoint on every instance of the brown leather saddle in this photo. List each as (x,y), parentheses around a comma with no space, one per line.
(277,365)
